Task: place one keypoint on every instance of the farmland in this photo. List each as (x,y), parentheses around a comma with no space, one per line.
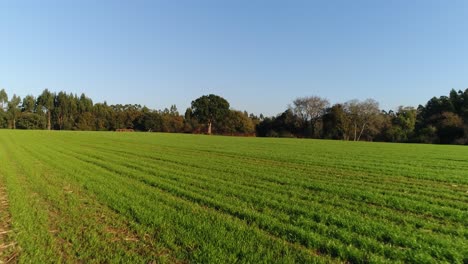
(143,197)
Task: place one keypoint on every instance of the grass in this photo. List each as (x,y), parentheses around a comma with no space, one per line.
(141,197)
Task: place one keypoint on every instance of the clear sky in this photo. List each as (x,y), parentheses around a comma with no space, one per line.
(259,55)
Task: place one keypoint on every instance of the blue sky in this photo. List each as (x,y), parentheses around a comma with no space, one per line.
(259,55)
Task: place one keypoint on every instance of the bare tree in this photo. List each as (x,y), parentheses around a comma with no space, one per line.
(310,109)
(361,115)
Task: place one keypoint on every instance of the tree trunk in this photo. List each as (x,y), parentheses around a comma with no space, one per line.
(209,128)
(48,119)
(312,127)
(355,131)
(14,123)
(362,131)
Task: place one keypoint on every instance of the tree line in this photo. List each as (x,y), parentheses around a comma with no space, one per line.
(67,111)
(442,119)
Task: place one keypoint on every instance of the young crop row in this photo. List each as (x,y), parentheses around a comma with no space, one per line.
(206,237)
(215,199)
(178,181)
(252,167)
(320,184)
(55,220)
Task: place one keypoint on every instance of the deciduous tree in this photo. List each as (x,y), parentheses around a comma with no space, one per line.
(361,115)
(310,109)
(210,109)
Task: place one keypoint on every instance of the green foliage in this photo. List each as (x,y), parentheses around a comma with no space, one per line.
(3,119)
(85,121)
(14,110)
(447,116)
(237,123)
(210,109)
(31,121)
(286,124)
(3,99)
(335,123)
(183,198)
(443,119)
(29,104)
(45,102)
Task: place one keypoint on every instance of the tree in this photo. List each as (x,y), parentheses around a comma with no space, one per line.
(65,110)
(238,123)
(3,99)
(171,120)
(85,121)
(361,115)
(403,123)
(29,104)
(310,110)
(336,123)
(85,104)
(127,115)
(210,109)
(437,106)
(406,118)
(3,119)
(190,123)
(443,119)
(46,103)
(13,109)
(150,121)
(102,117)
(286,124)
(449,127)
(28,120)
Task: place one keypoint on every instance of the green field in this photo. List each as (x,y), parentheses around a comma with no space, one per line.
(84,197)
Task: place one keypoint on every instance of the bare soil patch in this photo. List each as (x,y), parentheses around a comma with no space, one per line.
(9,250)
